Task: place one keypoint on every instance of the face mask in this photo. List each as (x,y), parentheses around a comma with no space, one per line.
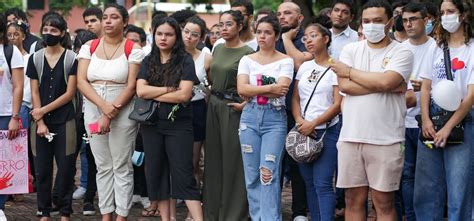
(374,33)
(399,24)
(450,23)
(51,40)
(429,27)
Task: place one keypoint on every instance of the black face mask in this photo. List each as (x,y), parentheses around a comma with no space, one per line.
(399,24)
(51,40)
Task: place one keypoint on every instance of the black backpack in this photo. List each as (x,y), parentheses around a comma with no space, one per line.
(8,51)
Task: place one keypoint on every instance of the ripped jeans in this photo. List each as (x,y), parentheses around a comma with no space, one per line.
(262,137)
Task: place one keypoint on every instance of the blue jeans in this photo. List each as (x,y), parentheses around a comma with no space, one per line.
(262,137)
(84,165)
(408,173)
(319,176)
(445,169)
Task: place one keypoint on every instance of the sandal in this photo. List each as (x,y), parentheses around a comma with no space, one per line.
(150,212)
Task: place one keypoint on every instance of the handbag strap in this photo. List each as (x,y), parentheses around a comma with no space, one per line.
(314,89)
(311,96)
(447,62)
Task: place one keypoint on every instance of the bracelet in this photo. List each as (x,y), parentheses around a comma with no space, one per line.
(16,116)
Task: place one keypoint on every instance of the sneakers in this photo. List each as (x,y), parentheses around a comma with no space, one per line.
(145,202)
(88,209)
(300,218)
(136,198)
(2,216)
(79,193)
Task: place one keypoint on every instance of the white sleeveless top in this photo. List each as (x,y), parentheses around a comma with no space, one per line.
(199,64)
(115,70)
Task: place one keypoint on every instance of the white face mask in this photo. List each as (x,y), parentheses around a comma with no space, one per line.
(374,33)
(450,23)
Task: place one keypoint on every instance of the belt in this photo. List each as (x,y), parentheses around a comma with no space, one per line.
(227,96)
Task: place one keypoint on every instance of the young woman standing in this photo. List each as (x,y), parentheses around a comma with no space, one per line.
(447,168)
(52,71)
(11,90)
(320,117)
(107,75)
(224,184)
(167,76)
(263,120)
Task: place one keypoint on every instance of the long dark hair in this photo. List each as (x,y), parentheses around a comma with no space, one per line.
(3,29)
(56,20)
(169,73)
(464,7)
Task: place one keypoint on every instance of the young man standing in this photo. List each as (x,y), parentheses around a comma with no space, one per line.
(342,13)
(373,74)
(93,20)
(423,47)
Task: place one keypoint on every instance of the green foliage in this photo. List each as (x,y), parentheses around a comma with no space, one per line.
(272,4)
(6,4)
(65,6)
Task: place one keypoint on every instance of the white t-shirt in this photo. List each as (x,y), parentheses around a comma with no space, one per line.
(377,118)
(422,63)
(26,84)
(252,43)
(462,65)
(307,76)
(6,85)
(277,69)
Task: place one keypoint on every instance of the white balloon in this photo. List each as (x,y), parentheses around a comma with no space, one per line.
(447,95)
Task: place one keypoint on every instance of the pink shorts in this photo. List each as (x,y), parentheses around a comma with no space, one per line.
(377,166)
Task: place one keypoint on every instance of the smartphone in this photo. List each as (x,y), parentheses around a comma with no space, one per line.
(94,128)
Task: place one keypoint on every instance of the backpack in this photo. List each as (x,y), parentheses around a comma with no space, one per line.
(127,49)
(68,62)
(8,51)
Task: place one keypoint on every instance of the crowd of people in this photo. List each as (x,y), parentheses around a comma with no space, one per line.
(223,98)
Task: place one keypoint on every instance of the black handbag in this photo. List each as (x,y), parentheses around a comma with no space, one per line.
(144,111)
(440,118)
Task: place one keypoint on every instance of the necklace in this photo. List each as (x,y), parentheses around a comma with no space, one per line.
(105,53)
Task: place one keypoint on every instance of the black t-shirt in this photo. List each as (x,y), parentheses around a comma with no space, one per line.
(52,86)
(188,74)
(29,40)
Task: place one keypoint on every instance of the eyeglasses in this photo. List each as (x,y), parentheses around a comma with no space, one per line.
(14,35)
(227,24)
(410,19)
(310,36)
(193,34)
(217,34)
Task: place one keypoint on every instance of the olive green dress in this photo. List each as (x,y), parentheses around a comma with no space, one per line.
(224,193)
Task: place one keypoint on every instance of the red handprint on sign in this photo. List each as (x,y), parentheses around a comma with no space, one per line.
(5,180)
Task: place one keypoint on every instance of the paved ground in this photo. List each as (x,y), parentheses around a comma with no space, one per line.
(26,210)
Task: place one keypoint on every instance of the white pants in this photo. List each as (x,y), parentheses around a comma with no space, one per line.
(113,153)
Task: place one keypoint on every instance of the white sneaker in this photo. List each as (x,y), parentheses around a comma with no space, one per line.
(145,202)
(300,218)
(79,193)
(2,216)
(136,198)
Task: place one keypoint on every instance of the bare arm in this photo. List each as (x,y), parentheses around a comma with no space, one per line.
(295,104)
(427,127)
(410,99)
(377,82)
(184,93)
(17,81)
(352,88)
(272,90)
(145,91)
(84,86)
(298,56)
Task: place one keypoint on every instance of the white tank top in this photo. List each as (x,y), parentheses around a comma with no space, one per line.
(201,74)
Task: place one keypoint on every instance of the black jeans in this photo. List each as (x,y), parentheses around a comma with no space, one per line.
(62,149)
(139,180)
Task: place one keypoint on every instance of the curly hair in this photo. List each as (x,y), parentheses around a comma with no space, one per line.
(464,7)
(169,73)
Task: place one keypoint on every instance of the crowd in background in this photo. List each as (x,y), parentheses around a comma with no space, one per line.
(225,97)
